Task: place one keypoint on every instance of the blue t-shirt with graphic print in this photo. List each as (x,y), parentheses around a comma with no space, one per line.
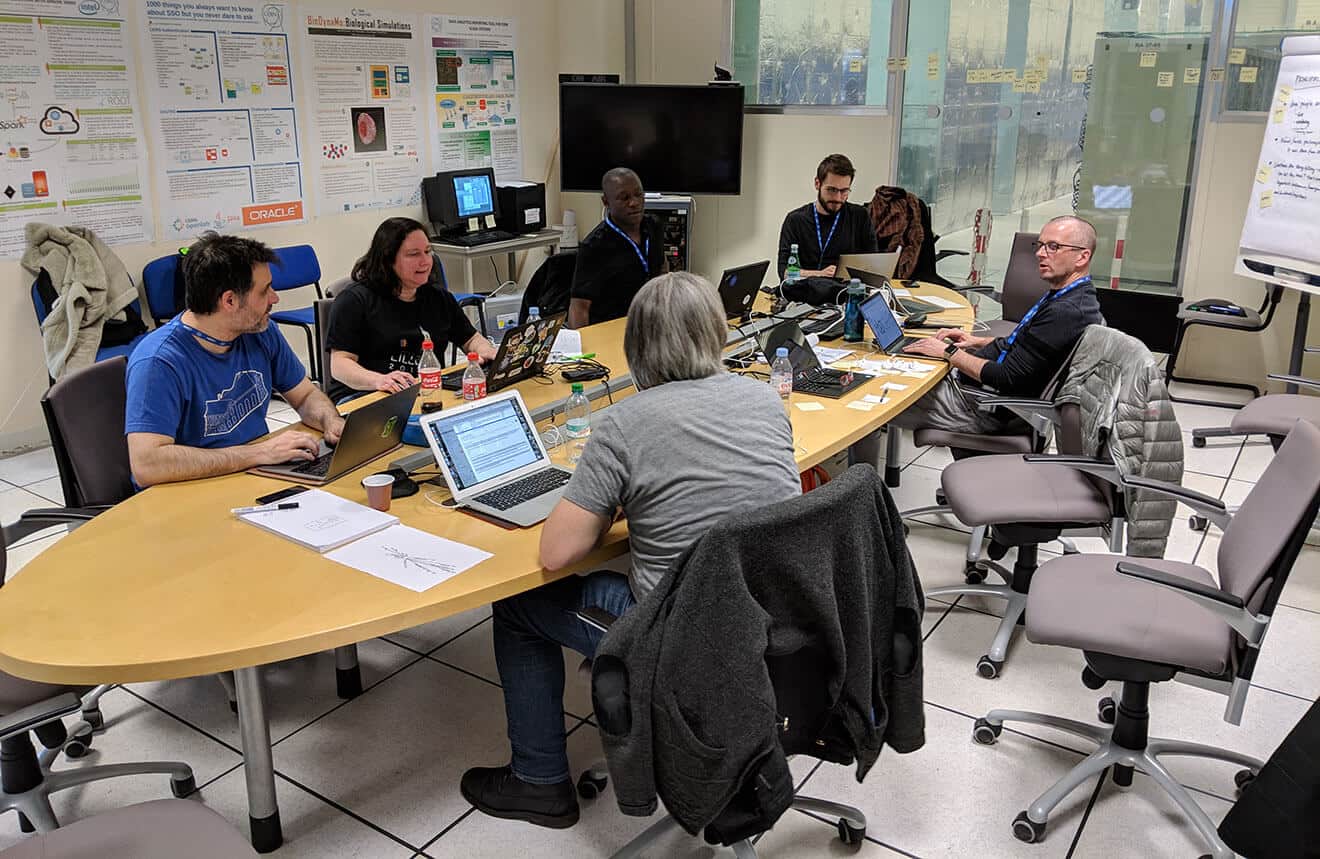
(200,399)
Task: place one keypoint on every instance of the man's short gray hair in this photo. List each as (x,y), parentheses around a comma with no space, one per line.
(676,330)
(1083,230)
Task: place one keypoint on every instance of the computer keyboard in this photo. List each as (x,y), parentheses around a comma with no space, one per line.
(515,493)
(484,238)
(318,467)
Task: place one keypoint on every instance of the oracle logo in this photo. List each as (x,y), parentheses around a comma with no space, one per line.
(272,213)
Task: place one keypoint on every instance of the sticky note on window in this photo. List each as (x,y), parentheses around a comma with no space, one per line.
(1285,92)
(1263,174)
(1079,76)
(1279,114)
(861,406)
(1165,79)
(1247,74)
(1267,199)
(810,407)
(1216,75)
(1019,86)
(1149,58)
(932,66)
(1237,56)
(1191,75)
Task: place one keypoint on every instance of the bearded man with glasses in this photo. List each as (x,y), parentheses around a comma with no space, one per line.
(829,227)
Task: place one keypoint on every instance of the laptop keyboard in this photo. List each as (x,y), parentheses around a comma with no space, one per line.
(318,467)
(484,238)
(824,382)
(533,485)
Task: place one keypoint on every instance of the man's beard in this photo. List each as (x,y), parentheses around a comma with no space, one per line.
(828,205)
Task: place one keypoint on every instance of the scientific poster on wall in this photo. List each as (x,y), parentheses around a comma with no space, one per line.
(71,147)
(366,132)
(221,92)
(474,77)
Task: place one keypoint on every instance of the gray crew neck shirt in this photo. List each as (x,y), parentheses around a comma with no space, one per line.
(678,457)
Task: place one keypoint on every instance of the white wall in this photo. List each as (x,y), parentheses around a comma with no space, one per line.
(590,31)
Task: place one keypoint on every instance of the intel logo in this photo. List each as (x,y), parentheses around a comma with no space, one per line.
(89,7)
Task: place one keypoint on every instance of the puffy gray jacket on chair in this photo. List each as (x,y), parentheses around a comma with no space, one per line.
(1127,417)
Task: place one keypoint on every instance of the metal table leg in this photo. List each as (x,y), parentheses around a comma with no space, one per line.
(258,765)
(1299,337)
(893,450)
(469,285)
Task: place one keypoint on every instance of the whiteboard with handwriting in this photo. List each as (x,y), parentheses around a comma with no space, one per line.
(1282,227)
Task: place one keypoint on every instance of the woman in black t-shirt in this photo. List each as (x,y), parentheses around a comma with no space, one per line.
(376,324)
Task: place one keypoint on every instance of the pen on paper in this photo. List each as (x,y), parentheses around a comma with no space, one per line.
(265,508)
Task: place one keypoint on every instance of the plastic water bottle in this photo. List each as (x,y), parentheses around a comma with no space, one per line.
(428,370)
(533,314)
(474,379)
(781,376)
(577,421)
(852,314)
(792,271)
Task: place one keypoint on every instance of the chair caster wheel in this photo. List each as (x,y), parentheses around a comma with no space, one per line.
(79,744)
(850,834)
(1197,441)
(1242,778)
(94,718)
(1197,523)
(1106,710)
(973,574)
(183,787)
(1027,830)
(988,668)
(985,732)
(591,786)
(1091,680)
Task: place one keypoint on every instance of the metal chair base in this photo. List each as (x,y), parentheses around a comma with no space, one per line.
(1016,605)
(34,803)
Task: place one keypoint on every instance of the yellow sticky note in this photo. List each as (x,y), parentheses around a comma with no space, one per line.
(855,66)
(1237,56)
(1267,199)
(1079,76)
(1149,58)
(1165,79)
(903,63)
(1216,75)
(1019,86)
(896,64)
(1247,74)
(1285,92)
(861,406)
(933,66)
(810,407)
(1279,115)
(1033,87)
(1191,75)
(1263,174)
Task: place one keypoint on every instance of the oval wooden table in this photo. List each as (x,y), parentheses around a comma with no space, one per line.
(171,585)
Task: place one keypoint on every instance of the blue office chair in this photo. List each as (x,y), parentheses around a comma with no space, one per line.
(298,267)
(465,299)
(43,297)
(161,281)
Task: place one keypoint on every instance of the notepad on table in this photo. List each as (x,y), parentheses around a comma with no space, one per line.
(322,521)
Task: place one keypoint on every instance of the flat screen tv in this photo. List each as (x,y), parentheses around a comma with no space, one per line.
(679,139)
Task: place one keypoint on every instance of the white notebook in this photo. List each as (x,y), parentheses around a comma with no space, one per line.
(322,521)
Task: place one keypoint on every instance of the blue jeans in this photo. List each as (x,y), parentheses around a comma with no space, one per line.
(531,630)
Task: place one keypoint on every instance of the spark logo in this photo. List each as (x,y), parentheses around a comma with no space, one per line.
(273,213)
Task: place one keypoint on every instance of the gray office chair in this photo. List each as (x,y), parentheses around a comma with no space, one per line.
(1251,321)
(160,829)
(1022,287)
(1143,622)
(1272,415)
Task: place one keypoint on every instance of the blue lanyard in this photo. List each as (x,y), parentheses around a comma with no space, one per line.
(815,213)
(646,240)
(214,341)
(1030,314)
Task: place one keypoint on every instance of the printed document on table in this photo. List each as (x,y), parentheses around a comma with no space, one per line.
(405,556)
(567,342)
(322,521)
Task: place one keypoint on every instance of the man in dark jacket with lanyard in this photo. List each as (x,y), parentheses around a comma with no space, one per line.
(618,257)
(829,227)
(1021,364)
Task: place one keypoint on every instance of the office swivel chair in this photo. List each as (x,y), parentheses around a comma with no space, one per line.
(1271,415)
(1250,321)
(159,829)
(297,266)
(549,289)
(117,339)
(162,283)
(1141,621)
(1022,287)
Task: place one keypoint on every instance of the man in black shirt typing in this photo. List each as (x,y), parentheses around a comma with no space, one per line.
(829,227)
(619,256)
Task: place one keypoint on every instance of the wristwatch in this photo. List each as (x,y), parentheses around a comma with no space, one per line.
(950,349)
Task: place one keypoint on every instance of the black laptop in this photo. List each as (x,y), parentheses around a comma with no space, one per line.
(523,353)
(809,377)
(738,287)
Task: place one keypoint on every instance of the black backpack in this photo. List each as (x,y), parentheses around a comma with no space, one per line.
(549,290)
(115,332)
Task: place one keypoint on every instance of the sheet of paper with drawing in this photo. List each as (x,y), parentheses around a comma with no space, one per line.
(407,557)
(321,521)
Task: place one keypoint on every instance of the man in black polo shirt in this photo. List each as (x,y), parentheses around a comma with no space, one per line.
(830,227)
(1021,364)
(619,256)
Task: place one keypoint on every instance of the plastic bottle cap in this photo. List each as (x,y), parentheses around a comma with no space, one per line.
(472,357)
(577,387)
(781,352)
(427,345)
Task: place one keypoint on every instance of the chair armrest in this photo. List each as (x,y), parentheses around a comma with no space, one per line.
(37,520)
(596,617)
(472,298)
(1295,380)
(38,714)
(1311,348)
(1106,471)
(939,255)
(1227,607)
(1040,414)
(1212,508)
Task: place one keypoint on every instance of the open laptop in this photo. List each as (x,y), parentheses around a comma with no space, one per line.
(493,461)
(884,325)
(523,353)
(809,377)
(877,270)
(738,288)
(369,432)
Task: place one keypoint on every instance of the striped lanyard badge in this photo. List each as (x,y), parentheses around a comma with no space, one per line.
(815,213)
(1035,308)
(642,252)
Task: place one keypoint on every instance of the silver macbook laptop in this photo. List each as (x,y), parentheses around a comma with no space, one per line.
(867,267)
(371,431)
(884,325)
(492,458)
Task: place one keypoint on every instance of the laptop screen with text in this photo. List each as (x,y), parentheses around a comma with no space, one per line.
(485,443)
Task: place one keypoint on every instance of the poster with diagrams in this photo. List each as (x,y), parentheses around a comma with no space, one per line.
(474,80)
(362,67)
(223,120)
(71,147)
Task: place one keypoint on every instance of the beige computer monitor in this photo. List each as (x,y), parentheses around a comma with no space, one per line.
(881,264)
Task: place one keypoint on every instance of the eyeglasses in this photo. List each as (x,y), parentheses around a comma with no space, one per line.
(1052,248)
(837,192)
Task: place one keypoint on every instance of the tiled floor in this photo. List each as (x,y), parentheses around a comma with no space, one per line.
(378,776)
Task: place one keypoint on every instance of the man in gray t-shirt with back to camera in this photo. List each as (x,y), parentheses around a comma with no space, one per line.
(694,444)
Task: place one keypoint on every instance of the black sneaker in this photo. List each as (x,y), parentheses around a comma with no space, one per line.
(499,793)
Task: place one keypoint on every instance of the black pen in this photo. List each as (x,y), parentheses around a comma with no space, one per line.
(266,508)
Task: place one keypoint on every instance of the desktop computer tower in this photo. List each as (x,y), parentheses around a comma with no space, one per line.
(675,216)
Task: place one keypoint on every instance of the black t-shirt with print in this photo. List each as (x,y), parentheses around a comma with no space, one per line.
(386,333)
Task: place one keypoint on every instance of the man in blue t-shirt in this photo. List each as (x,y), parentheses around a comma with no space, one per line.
(198,386)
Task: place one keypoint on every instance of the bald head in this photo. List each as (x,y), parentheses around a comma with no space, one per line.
(1073,243)
(1078,230)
